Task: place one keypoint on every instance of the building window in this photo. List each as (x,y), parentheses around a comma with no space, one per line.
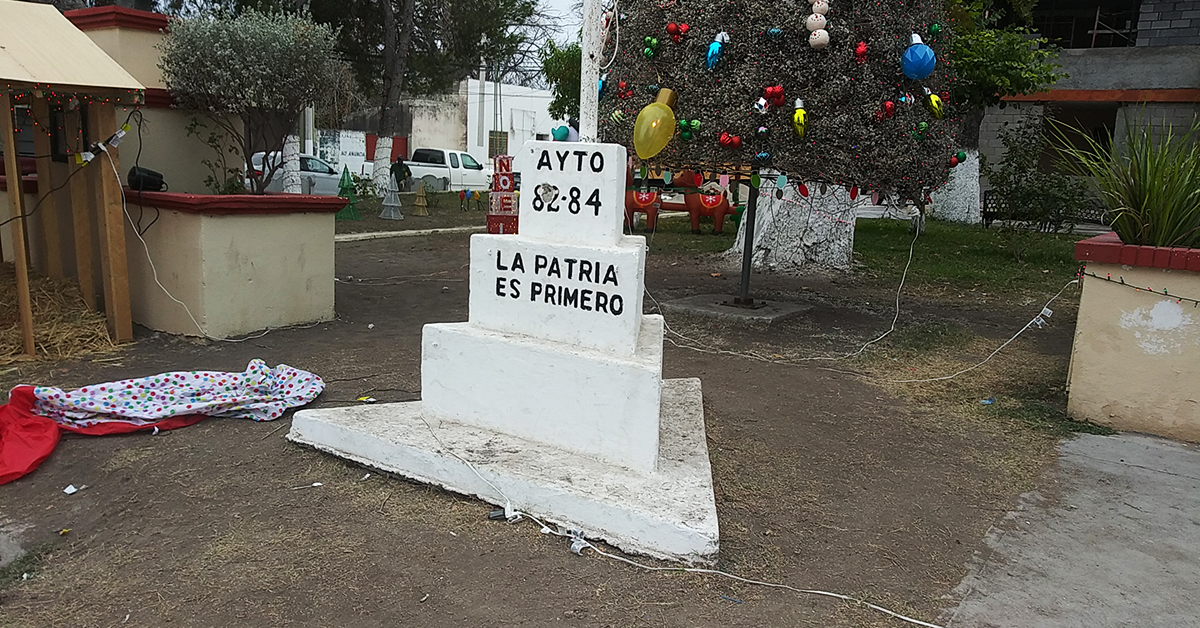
(1097,24)
(497,143)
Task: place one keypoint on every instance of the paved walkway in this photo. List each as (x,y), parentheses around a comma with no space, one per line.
(1119,545)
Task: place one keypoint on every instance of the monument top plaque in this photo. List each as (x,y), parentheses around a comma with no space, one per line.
(572,193)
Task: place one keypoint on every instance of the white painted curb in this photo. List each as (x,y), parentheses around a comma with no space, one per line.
(379,235)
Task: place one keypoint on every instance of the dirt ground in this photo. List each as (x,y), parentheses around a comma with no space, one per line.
(824,479)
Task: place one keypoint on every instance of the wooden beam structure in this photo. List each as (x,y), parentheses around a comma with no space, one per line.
(102,123)
(81,212)
(47,209)
(12,168)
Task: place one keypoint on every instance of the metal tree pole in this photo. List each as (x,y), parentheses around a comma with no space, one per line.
(589,71)
(748,218)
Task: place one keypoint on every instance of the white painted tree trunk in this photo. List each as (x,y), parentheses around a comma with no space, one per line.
(291,165)
(381,171)
(797,232)
(959,200)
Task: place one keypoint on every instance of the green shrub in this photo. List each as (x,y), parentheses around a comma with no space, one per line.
(1036,199)
(1149,182)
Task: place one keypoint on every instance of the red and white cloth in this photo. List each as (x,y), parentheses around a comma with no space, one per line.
(32,419)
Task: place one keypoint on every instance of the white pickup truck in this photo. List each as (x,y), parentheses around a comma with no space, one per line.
(453,170)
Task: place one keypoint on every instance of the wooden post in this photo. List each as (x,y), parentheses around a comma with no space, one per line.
(114,267)
(47,209)
(81,212)
(12,168)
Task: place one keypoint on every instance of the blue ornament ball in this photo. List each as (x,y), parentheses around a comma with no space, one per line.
(918,60)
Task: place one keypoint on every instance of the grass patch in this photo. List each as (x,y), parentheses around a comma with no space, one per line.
(965,256)
(27,563)
(443,208)
(929,336)
(673,236)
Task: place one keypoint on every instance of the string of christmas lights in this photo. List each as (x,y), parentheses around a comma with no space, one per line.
(1121,281)
(739,68)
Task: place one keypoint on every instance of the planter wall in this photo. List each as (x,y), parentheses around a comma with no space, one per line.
(1135,364)
(240,263)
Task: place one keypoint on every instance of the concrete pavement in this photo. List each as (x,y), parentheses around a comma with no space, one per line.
(1117,545)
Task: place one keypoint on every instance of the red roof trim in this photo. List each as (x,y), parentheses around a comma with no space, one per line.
(159,98)
(1108,249)
(117,17)
(1110,95)
(233,204)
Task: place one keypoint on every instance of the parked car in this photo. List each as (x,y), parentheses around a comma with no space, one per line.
(448,169)
(316,175)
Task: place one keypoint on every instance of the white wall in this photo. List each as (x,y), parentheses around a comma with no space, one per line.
(344,148)
(440,122)
(523,115)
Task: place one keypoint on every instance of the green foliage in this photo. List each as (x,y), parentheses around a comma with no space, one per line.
(993,62)
(223,178)
(250,74)
(964,257)
(561,67)
(1149,182)
(1036,199)
(448,42)
(364,187)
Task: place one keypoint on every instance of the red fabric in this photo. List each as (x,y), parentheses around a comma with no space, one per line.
(27,439)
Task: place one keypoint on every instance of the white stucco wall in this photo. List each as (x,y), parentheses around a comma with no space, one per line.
(1136,360)
(440,122)
(523,115)
(236,273)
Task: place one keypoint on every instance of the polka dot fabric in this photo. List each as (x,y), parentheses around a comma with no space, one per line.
(260,393)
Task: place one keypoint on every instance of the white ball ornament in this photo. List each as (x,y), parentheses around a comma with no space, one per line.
(819,39)
(820,7)
(815,22)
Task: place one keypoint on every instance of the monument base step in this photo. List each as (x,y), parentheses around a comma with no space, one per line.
(669,514)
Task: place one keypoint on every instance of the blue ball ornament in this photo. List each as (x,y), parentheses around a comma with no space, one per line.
(918,60)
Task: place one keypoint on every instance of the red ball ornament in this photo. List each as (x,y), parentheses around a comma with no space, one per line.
(672,29)
(953,161)
(736,143)
(889,109)
(860,52)
(730,141)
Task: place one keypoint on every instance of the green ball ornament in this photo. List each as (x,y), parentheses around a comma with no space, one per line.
(649,52)
(685,136)
(935,28)
(922,127)
(962,156)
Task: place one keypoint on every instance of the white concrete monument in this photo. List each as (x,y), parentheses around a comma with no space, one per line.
(553,389)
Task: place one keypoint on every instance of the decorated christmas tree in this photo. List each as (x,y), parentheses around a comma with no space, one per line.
(823,100)
(346,190)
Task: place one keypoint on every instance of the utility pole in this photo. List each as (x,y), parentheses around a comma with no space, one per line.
(589,72)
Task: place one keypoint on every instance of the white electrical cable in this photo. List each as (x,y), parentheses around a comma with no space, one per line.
(1031,322)
(579,543)
(616,25)
(154,270)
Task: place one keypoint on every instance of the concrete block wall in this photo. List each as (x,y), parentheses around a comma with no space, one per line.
(994,120)
(1169,23)
(1178,115)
